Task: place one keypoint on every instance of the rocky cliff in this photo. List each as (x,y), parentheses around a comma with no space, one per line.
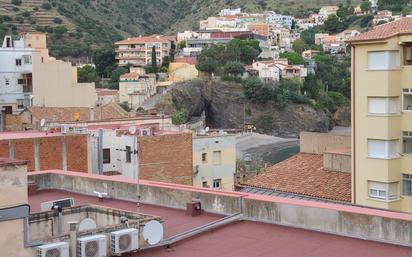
(226,108)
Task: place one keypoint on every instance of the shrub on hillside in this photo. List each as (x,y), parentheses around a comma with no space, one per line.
(16,2)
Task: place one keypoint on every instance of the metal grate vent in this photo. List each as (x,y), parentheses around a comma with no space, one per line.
(55,252)
(124,242)
(91,249)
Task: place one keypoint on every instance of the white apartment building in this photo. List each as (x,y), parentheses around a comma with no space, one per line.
(15,75)
(230,12)
(278,20)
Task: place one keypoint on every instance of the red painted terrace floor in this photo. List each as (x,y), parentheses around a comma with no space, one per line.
(240,239)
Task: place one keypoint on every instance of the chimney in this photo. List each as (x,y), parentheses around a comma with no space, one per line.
(73,238)
(91,114)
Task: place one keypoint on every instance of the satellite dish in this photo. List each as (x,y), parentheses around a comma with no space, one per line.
(132,130)
(87,224)
(153,232)
(207,129)
(42,122)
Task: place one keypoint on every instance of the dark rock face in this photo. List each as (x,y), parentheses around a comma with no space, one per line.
(226,108)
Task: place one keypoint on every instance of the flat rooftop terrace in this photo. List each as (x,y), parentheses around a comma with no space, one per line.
(242,238)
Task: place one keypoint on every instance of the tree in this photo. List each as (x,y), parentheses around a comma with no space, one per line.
(234,69)
(154,59)
(299,45)
(181,44)
(393,5)
(293,58)
(180,117)
(46,6)
(331,24)
(87,74)
(207,64)
(16,2)
(365,6)
(104,59)
(118,72)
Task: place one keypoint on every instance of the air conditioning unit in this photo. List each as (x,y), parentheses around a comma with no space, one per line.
(123,241)
(91,246)
(60,249)
(47,206)
(146,132)
(65,129)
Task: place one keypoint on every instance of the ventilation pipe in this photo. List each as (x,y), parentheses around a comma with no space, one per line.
(59,219)
(100,152)
(73,238)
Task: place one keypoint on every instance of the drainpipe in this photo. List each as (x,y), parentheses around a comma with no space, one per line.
(100,152)
(73,238)
(2,120)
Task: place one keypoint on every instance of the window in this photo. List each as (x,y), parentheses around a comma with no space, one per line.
(407,184)
(383,60)
(26,59)
(383,191)
(20,103)
(407,142)
(383,105)
(384,149)
(407,53)
(128,154)
(407,99)
(217,183)
(18,62)
(106,155)
(217,156)
(204,157)
(7,81)
(204,184)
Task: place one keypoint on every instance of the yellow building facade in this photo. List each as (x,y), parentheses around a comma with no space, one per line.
(382,117)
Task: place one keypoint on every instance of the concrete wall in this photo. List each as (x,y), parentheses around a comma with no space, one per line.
(337,162)
(317,143)
(13,192)
(352,221)
(55,85)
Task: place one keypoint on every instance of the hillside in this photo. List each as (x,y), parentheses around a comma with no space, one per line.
(74,27)
(226,107)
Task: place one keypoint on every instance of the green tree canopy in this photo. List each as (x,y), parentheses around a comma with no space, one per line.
(293,58)
(299,45)
(234,68)
(104,59)
(365,6)
(87,74)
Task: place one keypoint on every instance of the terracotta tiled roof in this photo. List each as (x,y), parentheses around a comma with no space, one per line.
(131,75)
(147,39)
(303,174)
(384,31)
(189,60)
(67,114)
(103,92)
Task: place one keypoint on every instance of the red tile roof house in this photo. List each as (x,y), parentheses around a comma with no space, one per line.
(321,171)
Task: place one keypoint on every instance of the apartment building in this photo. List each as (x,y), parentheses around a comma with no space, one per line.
(382,116)
(137,51)
(278,20)
(214,161)
(135,88)
(16,84)
(30,77)
(278,69)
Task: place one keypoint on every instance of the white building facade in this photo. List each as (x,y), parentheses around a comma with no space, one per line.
(15,75)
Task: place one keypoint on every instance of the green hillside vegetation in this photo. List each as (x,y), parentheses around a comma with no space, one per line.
(75,27)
